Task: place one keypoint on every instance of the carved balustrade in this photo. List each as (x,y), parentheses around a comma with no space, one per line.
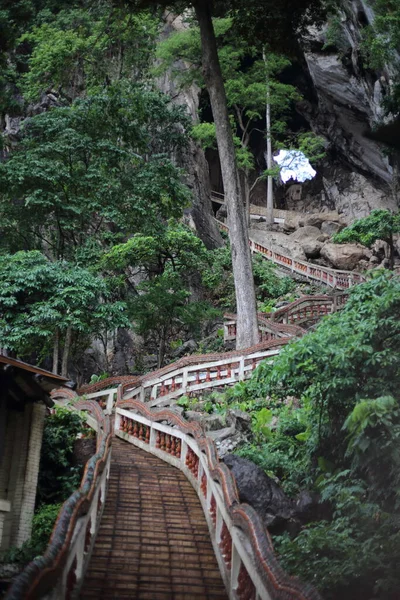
(241,543)
(59,573)
(330,277)
(194,374)
(105,398)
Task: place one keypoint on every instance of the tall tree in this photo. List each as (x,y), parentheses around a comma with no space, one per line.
(86,175)
(47,304)
(288,17)
(247,326)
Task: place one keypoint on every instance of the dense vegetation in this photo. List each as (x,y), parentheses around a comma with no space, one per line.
(92,239)
(335,398)
(58,478)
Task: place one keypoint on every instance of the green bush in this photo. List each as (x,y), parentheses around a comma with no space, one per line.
(58,478)
(42,527)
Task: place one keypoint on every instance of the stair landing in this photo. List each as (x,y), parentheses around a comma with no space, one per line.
(153,542)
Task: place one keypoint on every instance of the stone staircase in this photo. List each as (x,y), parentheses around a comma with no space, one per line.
(153,542)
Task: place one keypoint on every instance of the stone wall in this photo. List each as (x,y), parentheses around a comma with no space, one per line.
(19,469)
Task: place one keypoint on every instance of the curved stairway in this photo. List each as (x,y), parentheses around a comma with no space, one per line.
(153,542)
(139,528)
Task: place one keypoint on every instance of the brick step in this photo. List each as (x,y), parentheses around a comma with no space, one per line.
(153,542)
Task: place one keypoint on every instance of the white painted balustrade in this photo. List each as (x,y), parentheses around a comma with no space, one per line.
(59,574)
(69,582)
(232,548)
(333,278)
(160,389)
(105,398)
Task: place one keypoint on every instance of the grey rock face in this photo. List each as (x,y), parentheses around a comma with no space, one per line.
(192,159)
(239,419)
(344,256)
(357,175)
(261,492)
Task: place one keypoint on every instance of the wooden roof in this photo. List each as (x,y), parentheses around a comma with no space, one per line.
(21,382)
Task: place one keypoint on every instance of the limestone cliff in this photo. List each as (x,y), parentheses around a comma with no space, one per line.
(343,100)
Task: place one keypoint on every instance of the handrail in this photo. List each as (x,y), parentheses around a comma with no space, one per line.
(241,542)
(285,321)
(331,277)
(198,372)
(59,573)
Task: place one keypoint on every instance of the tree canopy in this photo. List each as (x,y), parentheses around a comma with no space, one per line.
(93,172)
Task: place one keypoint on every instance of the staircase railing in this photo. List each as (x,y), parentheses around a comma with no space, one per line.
(59,573)
(268,330)
(331,277)
(242,545)
(196,373)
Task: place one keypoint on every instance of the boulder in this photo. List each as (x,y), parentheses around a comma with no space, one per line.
(212,422)
(331,227)
(280,242)
(312,248)
(292,222)
(239,419)
(306,232)
(343,256)
(208,422)
(261,492)
(323,237)
(308,238)
(187,348)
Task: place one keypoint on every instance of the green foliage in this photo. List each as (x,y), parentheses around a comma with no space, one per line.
(90,173)
(217,278)
(57,477)
(269,283)
(248,79)
(163,310)
(42,527)
(342,442)
(354,554)
(261,422)
(205,134)
(379,225)
(39,298)
(175,247)
(97,378)
(76,50)
(373,429)
(380,45)
(335,37)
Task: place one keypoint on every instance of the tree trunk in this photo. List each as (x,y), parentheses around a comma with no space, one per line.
(161,350)
(247,327)
(56,351)
(67,347)
(391,252)
(246,190)
(270,196)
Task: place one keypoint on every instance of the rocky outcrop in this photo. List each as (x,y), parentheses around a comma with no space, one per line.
(261,492)
(192,159)
(343,100)
(344,256)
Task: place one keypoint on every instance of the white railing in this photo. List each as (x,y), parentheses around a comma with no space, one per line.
(196,373)
(279,215)
(241,543)
(333,278)
(59,573)
(105,398)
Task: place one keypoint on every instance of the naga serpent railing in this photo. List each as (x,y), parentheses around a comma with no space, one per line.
(242,545)
(285,321)
(334,278)
(59,573)
(193,374)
